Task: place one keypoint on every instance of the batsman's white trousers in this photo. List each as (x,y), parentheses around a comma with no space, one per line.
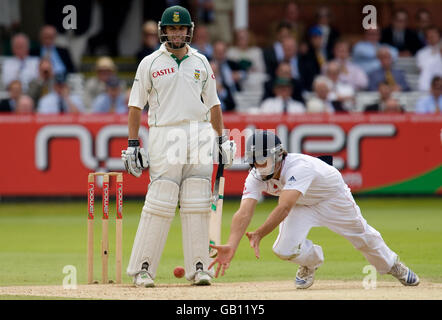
(175,154)
(341,215)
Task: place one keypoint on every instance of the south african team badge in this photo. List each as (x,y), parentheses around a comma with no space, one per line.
(197,74)
(176,16)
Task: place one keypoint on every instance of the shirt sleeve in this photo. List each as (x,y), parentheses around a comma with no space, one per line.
(209,94)
(299,178)
(141,86)
(253,188)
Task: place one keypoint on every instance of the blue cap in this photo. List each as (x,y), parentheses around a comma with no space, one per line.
(315,31)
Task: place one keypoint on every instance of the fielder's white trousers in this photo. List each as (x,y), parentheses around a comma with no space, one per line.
(342,216)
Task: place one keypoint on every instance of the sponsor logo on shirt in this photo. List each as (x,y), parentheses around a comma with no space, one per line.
(163,72)
(292,179)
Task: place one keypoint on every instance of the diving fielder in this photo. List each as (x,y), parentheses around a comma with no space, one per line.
(311,193)
(184,118)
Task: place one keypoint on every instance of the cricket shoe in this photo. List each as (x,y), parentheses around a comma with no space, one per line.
(201,279)
(143,279)
(304,277)
(404,274)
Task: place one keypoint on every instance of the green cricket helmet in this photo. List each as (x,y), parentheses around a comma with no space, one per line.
(175,16)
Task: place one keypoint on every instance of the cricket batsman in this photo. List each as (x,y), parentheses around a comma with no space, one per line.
(311,193)
(184,119)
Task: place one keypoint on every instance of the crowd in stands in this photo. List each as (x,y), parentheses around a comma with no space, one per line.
(305,69)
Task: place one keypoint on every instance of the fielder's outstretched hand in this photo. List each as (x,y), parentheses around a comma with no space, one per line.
(254,239)
(223,258)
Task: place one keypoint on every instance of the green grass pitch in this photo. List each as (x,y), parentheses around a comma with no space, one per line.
(37,240)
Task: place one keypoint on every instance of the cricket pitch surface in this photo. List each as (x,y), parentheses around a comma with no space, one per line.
(267,290)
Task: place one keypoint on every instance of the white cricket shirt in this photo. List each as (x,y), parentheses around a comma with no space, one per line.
(174,88)
(315,179)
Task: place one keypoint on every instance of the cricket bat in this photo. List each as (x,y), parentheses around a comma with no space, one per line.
(216,213)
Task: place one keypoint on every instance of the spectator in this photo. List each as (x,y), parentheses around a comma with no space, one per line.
(315,58)
(113,17)
(73,40)
(10,22)
(200,41)
(423,21)
(339,91)
(329,34)
(25,104)
(21,66)
(385,92)
(291,16)
(60,100)
(104,70)
(15,91)
(224,94)
(399,36)
(321,101)
(205,10)
(275,54)
(394,77)
(428,58)
(112,101)
(365,52)
(431,103)
(229,72)
(282,102)
(392,106)
(45,81)
(290,50)
(150,40)
(349,72)
(248,57)
(60,57)
(284,70)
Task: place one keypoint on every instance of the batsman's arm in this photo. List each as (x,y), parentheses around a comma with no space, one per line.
(216,119)
(134,122)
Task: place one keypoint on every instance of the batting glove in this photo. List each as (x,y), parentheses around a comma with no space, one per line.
(135,158)
(228,150)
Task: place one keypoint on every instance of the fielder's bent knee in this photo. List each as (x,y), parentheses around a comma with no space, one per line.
(195,196)
(162,198)
(285,254)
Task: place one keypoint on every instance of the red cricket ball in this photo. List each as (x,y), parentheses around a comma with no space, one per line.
(179,272)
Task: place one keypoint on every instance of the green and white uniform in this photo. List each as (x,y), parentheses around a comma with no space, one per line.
(180,94)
